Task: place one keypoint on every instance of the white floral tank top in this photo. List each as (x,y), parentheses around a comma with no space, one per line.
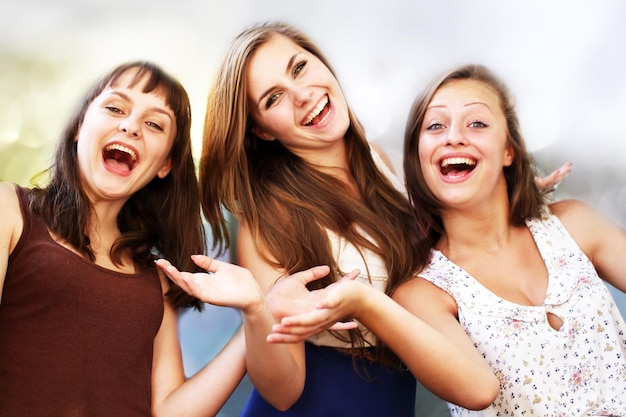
(578,370)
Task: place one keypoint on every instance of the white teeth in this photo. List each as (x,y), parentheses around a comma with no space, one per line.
(457,161)
(317,110)
(118,147)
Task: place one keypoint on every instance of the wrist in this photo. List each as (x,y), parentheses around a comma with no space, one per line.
(256,308)
(368,301)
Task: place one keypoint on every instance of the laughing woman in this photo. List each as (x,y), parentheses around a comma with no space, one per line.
(85,329)
(512,276)
(284,152)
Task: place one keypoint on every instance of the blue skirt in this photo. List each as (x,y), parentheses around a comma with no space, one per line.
(337,386)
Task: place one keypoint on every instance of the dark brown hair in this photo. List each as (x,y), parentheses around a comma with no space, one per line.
(162,219)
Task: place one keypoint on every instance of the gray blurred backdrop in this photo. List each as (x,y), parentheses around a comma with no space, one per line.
(563,59)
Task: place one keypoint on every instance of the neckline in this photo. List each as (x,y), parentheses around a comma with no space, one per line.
(90,263)
(532,226)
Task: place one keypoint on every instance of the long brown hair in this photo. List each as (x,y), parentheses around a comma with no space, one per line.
(288,203)
(526,201)
(162,219)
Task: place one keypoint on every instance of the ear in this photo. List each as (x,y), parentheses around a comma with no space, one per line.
(261,134)
(509,156)
(167,167)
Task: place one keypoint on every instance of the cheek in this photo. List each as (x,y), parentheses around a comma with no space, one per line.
(269,124)
(424,153)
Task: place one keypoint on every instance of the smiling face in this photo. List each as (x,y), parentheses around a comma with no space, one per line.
(124,139)
(463,143)
(294,97)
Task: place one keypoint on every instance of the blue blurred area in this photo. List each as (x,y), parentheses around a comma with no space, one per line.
(202,336)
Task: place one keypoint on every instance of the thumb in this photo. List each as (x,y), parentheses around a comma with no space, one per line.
(205,262)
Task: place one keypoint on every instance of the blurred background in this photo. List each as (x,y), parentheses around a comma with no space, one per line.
(563,59)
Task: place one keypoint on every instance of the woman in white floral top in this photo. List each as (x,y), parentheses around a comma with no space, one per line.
(512,277)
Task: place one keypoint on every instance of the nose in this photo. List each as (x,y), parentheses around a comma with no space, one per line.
(455,135)
(130,126)
(302,95)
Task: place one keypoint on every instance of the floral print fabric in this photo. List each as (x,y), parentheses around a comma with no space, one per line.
(578,370)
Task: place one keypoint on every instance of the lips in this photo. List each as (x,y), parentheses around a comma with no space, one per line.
(120,157)
(456,166)
(319,113)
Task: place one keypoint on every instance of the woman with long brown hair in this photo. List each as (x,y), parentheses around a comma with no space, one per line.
(284,153)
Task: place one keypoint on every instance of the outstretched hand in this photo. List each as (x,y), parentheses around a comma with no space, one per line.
(224,284)
(549,183)
(291,297)
(340,300)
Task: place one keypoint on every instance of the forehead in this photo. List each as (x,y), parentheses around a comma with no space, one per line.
(277,46)
(139,82)
(466,92)
(272,57)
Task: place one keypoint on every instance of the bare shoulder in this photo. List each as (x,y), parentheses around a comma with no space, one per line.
(11,225)
(571,207)
(422,297)
(383,155)
(253,256)
(7,191)
(576,215)
(9,203)
(589,228)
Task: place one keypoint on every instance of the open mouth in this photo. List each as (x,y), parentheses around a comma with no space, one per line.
(319,113)
(455,167)
(121,157)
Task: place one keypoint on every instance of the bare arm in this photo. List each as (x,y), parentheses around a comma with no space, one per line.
(277,371)
(10,227)
(455,373)
(439,310)
(230,285)
(602,240)
(206,392)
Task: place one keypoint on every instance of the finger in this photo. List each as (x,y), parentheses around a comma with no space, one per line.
(191,283)
(562,172)
(344,325)
(351,275)
(162,263)
(297,330)
(205,262)
(566,168)
(311,274)
(315,318)
(169,269)
(175,275)
(284,338)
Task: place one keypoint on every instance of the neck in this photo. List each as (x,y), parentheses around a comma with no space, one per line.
(103,230)
(328,159)
(487,228)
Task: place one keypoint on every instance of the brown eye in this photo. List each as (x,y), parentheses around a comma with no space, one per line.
(113,109)
(298,68)
(154,125)
(271,100)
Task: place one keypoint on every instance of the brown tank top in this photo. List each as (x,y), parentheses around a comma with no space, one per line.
(76,339)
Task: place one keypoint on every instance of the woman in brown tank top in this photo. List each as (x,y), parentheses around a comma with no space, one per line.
(84,329)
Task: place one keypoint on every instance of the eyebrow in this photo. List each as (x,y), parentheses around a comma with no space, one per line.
(473,103)
(287,68)
(153,109)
